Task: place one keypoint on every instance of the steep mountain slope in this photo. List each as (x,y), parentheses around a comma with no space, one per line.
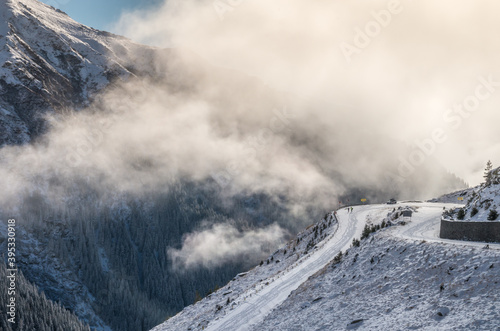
(111,265)
(51,63)
(30,305)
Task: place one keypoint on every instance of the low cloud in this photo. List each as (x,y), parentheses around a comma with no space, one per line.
(224,243)
(141,136)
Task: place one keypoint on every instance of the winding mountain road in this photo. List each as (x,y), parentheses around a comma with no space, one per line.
(424,225)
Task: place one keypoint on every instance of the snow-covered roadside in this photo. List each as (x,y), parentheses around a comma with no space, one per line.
(394,284)
(481,202)
(403,278)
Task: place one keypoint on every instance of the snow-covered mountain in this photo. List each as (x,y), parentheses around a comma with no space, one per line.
(49,62)
(106,261)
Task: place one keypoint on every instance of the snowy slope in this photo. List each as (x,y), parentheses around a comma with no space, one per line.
(463,195)
(50,62)
(482,199)
(250,308)
(393,284)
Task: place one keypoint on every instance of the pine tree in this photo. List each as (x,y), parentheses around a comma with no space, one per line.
(366,232)
(338,257)
(487,172)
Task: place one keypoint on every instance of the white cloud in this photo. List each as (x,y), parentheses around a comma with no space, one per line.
(223,243)
(426,59)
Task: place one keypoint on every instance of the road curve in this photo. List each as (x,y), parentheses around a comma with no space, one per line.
(424,225)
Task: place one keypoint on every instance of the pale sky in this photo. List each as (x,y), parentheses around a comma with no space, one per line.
(99,14)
